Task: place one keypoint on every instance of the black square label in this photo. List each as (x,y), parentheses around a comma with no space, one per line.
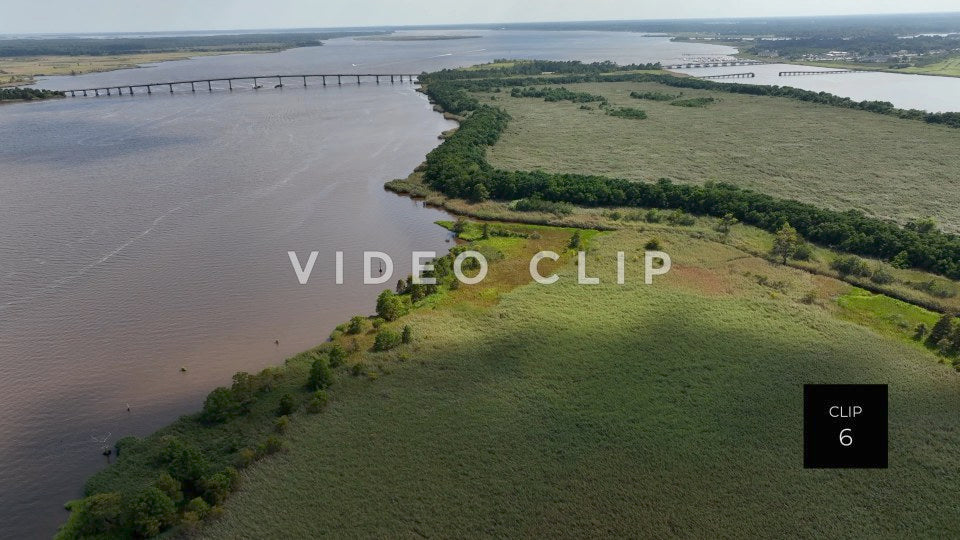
(845,426)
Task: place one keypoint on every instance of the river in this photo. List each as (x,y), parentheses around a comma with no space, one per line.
(142,234)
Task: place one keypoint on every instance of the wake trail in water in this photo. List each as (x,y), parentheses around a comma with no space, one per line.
(56,284)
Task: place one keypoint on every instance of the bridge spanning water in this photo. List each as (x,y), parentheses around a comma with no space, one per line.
(690,65)
(819,72)
(170,86)
(745,75)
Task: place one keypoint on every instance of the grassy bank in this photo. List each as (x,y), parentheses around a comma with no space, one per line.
(672,409)
(831,157)
(25,70)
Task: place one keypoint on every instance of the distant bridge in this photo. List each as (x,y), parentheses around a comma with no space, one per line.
(256,80)
(746,75)
(690,65)
(819,72)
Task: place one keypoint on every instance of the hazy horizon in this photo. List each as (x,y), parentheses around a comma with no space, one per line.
(113,16)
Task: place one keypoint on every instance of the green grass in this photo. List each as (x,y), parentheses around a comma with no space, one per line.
(828,156)
(889,315)
(565,410)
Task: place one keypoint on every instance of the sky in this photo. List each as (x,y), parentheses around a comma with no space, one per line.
(74,16)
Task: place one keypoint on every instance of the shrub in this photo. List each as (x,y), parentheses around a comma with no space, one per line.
(679,217)
(184,462)
(281,424)
(536,204)
(318,401)
(199,507)
(576,242)
(804,252)
(881,276)
(94,516)
(246,457)
(355,326)
(358,369)
(217,487)
(652,244)
(628,112)
(321,375)
(850,265)
(151,512)
(169,486)
(407,335)
(386,339)
(940,330)
(390,306)
(337,355)
(271,445)
(653,216)
(286,405)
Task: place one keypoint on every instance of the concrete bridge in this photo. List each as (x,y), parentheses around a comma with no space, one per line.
(714,64)
(819,72)
(276,80)
(746,75)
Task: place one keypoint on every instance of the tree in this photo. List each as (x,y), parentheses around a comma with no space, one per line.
(479,193)
(901,260)
(170,486)
(575,241)
(920,332)
(940,330)
(218,406)
(94,516)
(151,512)
(356,323)
(459,226)
(286,405)
(386,339)
(389,306)
(785,242)
(185,462)
(726,223)
(321,376)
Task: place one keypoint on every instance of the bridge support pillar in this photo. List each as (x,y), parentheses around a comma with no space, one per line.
(171,88)
(209,87)
(304,80)
(108,91)
(339,82)
(254,83)
(73,94)
(131,90)
(193,88)
(149,89)
(378,79)
(324,77)
(230,84)
(358,79)
(280,80)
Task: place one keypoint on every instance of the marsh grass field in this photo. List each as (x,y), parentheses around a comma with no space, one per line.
(832,157)
(567,410)
(24,70)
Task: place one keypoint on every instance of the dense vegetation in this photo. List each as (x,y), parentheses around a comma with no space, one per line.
(556,94)
(446,85)
(26,94)
(662,411)
(128,45)
(459,168)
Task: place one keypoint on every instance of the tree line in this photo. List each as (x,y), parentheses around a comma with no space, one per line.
(444,87)
(27,94)
(459,168)
(152,44)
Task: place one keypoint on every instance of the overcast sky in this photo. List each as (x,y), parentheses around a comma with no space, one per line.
(38,16)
